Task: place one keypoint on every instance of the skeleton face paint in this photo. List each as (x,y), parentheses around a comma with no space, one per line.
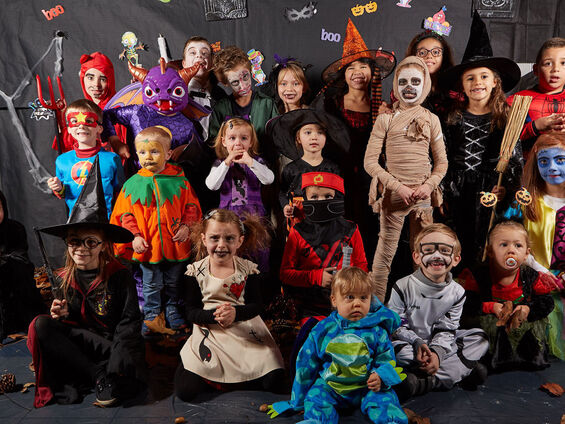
(436,254)
(410,84)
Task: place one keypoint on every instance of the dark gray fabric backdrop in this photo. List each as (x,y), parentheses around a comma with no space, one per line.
(98,26)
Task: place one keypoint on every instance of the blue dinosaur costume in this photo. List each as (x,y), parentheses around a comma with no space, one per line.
(335,362)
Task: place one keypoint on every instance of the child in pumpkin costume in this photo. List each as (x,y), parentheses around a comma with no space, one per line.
(157,205)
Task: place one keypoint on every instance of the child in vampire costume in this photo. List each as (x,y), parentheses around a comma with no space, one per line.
(412,141)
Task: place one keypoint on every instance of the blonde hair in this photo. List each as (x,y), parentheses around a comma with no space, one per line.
(227,59)
(351,280)
(84,105)
(157,133)
(508,225)
(438,228)
(221,151)
(531,178)
(252,227)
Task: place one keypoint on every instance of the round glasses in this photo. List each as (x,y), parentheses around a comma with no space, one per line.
(423,52)
(88,242)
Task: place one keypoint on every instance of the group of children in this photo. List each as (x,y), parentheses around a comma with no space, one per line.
(440,330)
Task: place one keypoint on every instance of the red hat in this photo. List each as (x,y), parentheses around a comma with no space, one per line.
(323,179)
(100,62)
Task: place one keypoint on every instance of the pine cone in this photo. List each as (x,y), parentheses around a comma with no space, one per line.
(7,383)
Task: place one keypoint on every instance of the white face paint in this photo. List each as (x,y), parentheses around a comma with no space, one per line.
(436,254)
(410,84)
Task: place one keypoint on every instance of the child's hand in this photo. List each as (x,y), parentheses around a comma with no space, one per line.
(233,155)
(327,276)
(225,314)
(405,193)
(176,152)
(519,315)
(181,234)
(497,309)
(121,149)
(431,366)
(553,122)
(139,244)
(500,192)
(245,159)
(59,309)
(423,354)
(374,382)
(54,184)
(288,211)
(385,108)
(421,193)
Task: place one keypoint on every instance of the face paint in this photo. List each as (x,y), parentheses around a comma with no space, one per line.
(436,254)
(76,119)
(410,84)
(152,155)
(551,165)
(240,81)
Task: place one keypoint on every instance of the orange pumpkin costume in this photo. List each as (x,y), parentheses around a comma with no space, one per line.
(154,206)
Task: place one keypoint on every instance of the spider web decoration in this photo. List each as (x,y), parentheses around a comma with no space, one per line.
(496,8)
(219,10)
(37,170)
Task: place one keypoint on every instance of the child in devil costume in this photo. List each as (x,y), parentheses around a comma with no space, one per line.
(314,249)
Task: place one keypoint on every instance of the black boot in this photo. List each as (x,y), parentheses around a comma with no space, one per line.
(414,386)
(477,377)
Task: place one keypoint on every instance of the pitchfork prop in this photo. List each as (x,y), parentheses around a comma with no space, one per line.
(58,106)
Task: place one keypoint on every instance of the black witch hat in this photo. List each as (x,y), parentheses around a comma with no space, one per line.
(90,211)
(283,128)
(478,54)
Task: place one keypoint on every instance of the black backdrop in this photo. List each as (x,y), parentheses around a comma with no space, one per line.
(97,25)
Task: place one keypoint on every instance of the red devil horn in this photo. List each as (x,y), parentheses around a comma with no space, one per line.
(187,73)
(137,72)
(162,64)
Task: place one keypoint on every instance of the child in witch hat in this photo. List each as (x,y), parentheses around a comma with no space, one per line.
(353,94)
(93,337)
(473,137)
(303,135)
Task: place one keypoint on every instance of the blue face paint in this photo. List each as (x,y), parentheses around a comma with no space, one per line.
(551,165)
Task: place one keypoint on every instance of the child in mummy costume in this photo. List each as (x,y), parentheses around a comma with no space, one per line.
(429,343)
(416,162)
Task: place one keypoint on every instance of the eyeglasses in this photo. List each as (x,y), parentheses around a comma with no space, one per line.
(423,52)
(88,242)
(429,248)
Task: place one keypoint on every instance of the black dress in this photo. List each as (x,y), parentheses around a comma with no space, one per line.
(473,151)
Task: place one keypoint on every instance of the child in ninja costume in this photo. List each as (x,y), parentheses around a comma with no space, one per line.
(348,358)
(429,302)
(314,249)
(408,136)
(157,205)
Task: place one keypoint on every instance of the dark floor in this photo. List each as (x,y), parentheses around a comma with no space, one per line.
(510,398)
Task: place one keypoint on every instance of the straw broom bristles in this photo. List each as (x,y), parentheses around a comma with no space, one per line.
(514,125)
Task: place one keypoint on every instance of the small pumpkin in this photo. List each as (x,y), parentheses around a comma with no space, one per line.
(523,197)
(488,199)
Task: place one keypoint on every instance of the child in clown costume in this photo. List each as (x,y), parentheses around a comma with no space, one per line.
(348,358)
(157,205)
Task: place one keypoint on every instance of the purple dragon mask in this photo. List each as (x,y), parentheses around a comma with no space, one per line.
(164,88)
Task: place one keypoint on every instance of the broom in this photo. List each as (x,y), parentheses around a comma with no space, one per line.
(516,119)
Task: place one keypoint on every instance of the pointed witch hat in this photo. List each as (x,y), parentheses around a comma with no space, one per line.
(354,48)
(478,54)
(90,211)
(282,129)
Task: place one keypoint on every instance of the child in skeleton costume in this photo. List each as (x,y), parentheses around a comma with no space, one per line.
(473,137)
(517,333)
(314,249)
(348,359)
(430,303)
(230,346)
(407,136)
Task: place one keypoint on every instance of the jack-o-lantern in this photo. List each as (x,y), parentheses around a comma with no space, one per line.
(357,10)
(523,197)
(371,7)
(488,199)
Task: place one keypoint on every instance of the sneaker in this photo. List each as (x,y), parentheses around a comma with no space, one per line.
(413,385)
(104,389)
(174,318)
